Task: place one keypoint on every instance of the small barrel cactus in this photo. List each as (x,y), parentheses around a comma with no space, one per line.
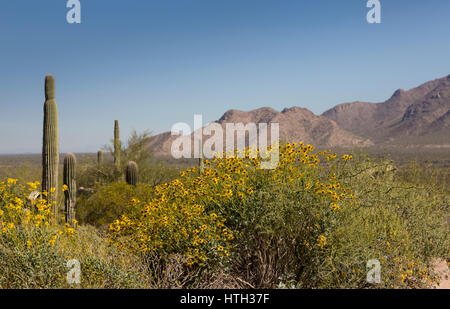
(70,187)
(50,145)
(132,173)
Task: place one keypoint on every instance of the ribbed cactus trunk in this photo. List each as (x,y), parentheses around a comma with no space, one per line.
(132,173)
(99,158)
(50,145)
(116,144)
(99,165)
(70,193)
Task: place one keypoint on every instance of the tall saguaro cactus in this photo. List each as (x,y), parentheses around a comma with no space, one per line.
(132,173)
(116,144)
(70,190)
(99,164)
(50,144)
(99,158)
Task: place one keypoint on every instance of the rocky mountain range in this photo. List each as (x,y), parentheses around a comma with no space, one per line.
(417,116)
(420,116)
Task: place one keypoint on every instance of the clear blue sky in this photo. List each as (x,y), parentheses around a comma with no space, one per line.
(151,63)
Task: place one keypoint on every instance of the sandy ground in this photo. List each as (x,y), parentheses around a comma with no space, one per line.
(442,268)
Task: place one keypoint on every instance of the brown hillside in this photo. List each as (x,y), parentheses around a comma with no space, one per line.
(296,124)
(416,115)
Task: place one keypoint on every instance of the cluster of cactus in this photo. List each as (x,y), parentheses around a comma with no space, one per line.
(131,171)
(50,158)
(50,145)
(70,192)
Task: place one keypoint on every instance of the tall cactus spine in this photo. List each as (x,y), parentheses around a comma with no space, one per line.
(99,158)
(116,144)
(50,145)
(99,165)
(70,187)
(132,173)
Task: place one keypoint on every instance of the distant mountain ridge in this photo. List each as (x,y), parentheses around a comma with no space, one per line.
(418,116)
(295,124)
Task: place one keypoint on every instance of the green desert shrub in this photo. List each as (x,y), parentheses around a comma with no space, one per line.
(109,202)
(399,223)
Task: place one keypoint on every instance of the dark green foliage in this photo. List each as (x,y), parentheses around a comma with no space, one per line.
(50,146)
(70,194)
(132,173)
(109,202)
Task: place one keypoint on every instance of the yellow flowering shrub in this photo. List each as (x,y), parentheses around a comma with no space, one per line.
(313,221)
(174,221)
(30,237)
(200,215)
(283,221)
(24,213)
(35,248)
